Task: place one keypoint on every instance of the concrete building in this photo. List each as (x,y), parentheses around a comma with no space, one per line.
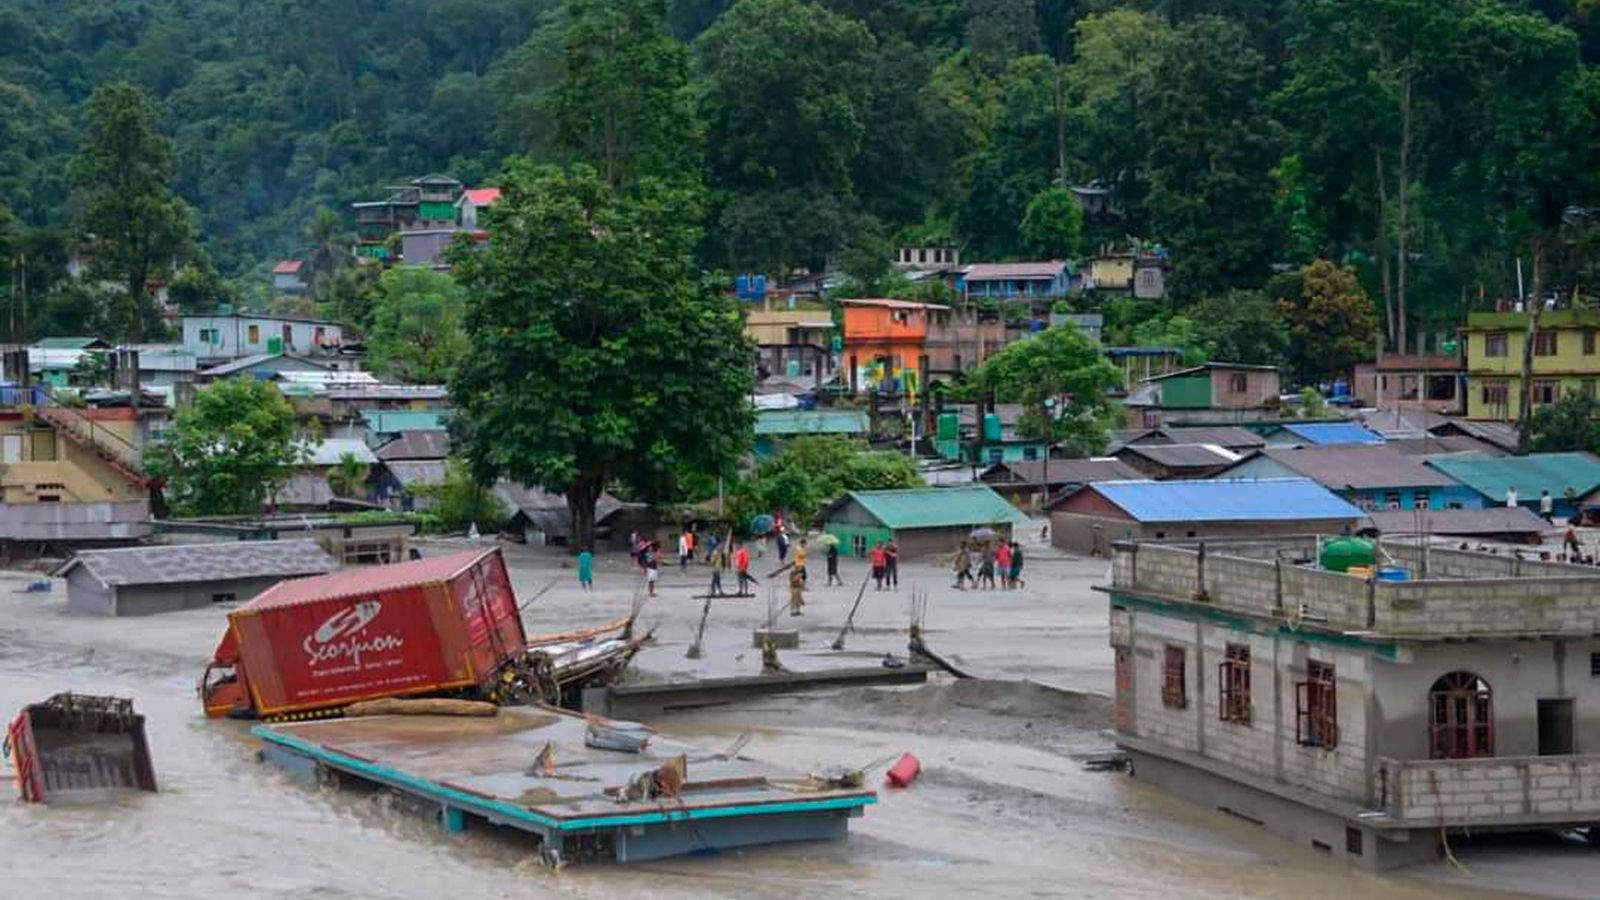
(220,337)
(926,259)
(1566,359)
(1091,518)
(1366,718)
(139,581)
(1370,477)
(1210,393)
(884,342)
(1433,381)
(921,521)
(289,277)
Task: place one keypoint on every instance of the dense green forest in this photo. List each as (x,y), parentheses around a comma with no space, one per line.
(1428,144)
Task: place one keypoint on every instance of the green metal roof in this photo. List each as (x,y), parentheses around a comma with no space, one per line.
(1553,472)
(783,422)
(65,343)
(387,421)
(973,504)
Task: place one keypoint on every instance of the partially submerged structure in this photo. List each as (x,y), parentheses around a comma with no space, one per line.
(580,801)
(1570,478)
(137,581)
(1369,718)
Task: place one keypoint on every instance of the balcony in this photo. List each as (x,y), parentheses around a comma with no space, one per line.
(1507,790)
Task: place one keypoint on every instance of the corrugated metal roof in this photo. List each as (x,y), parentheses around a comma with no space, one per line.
(481,196)
(332,451)
(1463,522)
(1229,436)
(416,472)
(1206,367)
(69,343)
(385,421)
(416,445)
(811,421)
(255,359)
(1025,270)
(365,580)
(1444,443)
(287,267)
(1068,471)
(1359,466)
(1225,500)
(1183,456)
(890,303)
(1327,433)
(1553,472)
(186,563)
(1499,434)
(304,489)
(972,504)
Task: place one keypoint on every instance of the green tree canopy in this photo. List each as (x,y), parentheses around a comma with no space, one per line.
(1062,379)
(1572,423)
(1332,322)
(1241,327)
(1052,226)
(812,471)
(599,358)
(229,452)
(131,220)
(417,325)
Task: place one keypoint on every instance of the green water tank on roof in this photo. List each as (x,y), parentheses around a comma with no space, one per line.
(949,427)
(991,427)
(1340,553)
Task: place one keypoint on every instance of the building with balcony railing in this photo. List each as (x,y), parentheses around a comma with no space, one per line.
(1372,719)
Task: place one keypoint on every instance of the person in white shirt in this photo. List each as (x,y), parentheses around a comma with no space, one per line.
(1547,507)
(1511,495)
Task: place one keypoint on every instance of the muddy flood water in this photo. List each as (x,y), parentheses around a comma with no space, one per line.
(1003,809)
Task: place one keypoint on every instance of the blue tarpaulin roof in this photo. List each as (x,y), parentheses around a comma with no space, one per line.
(1324,434)
(1225,500)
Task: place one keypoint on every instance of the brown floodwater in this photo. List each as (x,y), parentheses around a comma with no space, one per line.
(1002,809)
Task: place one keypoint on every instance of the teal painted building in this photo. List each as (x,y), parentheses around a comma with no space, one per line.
(921,521)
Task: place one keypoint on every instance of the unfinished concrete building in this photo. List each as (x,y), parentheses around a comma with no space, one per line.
(1371,719)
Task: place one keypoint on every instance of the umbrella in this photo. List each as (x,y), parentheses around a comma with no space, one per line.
(826,540)
(761,524)
(983,534)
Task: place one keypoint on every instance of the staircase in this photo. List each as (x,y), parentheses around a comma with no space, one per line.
(113,449)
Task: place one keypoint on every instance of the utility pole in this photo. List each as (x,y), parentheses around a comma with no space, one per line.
(1525,400)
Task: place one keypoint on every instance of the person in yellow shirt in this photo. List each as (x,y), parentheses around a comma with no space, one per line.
(800,559)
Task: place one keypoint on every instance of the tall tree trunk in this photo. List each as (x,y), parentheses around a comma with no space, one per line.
(581,500)
(1061,126)
(1402,218)
(137,280)
(1380,245)
(1535,307)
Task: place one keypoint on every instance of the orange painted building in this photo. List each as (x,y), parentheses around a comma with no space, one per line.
(883,339)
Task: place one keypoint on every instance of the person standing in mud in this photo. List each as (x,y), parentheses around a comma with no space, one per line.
(800,559)
(1002,564)
(879,558)
(833,565)
(586,570)
(718,560)
(797,590)
(741,564)
(891,565)
(963,568)
(1016,566)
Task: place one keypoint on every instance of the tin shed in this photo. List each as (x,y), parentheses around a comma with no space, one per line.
(920,520)
(142,580)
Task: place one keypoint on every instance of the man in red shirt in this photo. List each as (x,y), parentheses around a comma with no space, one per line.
(741,564)
(879,558)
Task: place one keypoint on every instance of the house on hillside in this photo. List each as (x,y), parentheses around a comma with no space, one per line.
(884,342)
(263,367)
(1207,394)
(922,521)
(1369,477)
(1092,518)
(291,277)
(223,337)
(1018,282)
(1565,357)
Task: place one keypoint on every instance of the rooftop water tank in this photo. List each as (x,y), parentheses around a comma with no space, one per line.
(1340,553)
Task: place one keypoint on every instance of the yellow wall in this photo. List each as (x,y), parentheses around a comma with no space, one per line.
(771,326)
(1114,271)
(1568,369)
(53,466)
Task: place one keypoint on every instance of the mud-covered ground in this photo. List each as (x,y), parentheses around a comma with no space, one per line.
(1004,806)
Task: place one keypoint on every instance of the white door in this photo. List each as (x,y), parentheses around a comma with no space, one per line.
(11,448)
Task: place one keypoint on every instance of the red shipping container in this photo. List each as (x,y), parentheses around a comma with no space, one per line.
(421,627)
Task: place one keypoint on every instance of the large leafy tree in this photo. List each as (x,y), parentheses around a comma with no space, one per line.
(787,85)
(230,451)
(1569,424)
(1212,147)
(814,470)
(1241,327)
(1332,321)
(417,332)
(131,220)
(599,357)
(1062,379)
(623,104)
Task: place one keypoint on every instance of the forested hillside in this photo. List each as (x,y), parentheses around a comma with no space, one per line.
(1428,143)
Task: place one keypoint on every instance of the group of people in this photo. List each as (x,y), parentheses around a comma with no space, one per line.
(1002,560)
(1547,503)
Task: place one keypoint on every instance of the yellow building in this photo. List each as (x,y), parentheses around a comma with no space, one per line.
(1565,359)
(53,454)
